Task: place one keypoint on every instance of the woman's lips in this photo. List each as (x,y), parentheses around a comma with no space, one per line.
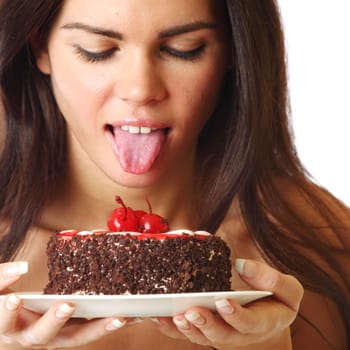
(136,147)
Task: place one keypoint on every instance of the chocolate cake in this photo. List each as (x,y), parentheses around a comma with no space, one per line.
(102,262)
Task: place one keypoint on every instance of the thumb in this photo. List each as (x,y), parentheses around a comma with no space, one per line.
(261,276)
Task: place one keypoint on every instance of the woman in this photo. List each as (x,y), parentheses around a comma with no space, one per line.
(204,85)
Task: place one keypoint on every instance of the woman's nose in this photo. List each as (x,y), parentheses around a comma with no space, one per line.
(140,81)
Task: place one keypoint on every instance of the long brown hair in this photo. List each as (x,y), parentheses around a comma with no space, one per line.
(254,141)
(246,145)
(33,153)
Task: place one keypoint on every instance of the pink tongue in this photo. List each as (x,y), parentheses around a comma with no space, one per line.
(137,152)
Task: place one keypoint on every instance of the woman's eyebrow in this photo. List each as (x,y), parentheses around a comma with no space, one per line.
(173,31)
(94,30)
(186,28)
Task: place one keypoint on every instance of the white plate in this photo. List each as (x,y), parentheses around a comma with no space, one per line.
(146,305)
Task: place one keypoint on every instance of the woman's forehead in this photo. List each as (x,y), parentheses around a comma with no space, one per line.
(137,16)
(118,8)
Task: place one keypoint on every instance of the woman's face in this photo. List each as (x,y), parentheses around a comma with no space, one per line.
(136,81)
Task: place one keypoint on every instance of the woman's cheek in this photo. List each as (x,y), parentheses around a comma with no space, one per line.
(204,92)
(80,90)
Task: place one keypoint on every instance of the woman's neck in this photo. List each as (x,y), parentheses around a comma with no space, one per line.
(84,202)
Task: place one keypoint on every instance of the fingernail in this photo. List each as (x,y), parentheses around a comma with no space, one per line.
(115,324)
(12,302)
(239,265)
(224,306)
(15,269)
(195,318)
(136,320)
(246,268)
(181,323)
(155,320)
(64,311)
(139,320)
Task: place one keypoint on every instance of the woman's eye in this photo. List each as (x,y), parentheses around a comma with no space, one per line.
(92,57)
(188,55)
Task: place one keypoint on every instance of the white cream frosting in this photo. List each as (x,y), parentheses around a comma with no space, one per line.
(175,232)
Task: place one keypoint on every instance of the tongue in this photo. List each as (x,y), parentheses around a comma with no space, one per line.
(137,152)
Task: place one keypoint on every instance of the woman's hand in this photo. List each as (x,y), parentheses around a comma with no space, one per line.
(259,325)
(22,327)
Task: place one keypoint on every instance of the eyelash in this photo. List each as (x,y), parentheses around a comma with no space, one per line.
(190,55)
(93,57)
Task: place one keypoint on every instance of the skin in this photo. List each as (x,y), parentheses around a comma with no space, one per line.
(142,83)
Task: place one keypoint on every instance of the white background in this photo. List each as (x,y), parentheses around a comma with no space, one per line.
(318,47)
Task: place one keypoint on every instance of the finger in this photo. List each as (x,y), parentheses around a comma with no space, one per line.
(10,272)
(190,331)
(259,318)
(211,327)
(48,325)
(10,308)
(130,321)
(260,276)
(167,327)
(78,332)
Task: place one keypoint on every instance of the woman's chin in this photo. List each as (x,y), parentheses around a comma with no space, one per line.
(137,180)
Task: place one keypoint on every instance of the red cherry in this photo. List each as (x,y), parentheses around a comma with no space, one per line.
(153,223)
(123,219)
(139,213)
